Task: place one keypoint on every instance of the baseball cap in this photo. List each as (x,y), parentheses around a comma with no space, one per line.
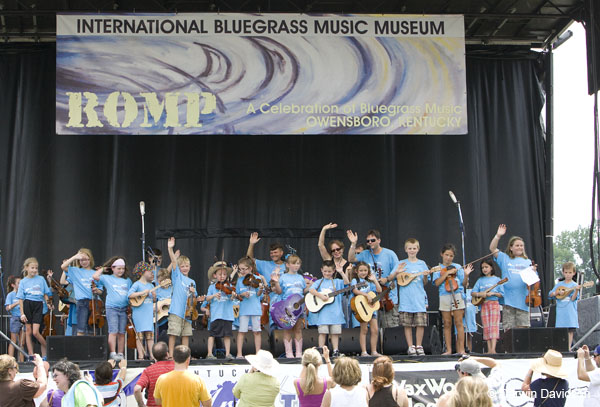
(597,351)
(471,367)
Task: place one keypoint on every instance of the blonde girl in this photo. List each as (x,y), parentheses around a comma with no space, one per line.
(310,388)
(250,307)
(33,291)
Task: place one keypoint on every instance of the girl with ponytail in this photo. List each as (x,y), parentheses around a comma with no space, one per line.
(310,387)
(382,391)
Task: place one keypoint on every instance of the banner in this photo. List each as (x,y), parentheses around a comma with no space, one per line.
(423,382)
(260,74)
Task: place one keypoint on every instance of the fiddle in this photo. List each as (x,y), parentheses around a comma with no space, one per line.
(132,337)
(451,283)
(49,324)
(265,305)
(534,298)
(226,287)
(250,280)
(191,312)
(60,290)
(96,307)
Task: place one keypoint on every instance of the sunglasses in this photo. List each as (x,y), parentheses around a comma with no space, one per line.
(337,249)
(371,240)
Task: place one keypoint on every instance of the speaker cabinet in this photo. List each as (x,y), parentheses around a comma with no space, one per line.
(310,338)
(394,341)
(248,347)
(77,347)
(536,340)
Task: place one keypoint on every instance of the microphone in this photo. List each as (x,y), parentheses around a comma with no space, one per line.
(452,196)
(142,208)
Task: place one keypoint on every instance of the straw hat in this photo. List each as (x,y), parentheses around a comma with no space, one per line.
(218,265)
(550,364)
(264,362)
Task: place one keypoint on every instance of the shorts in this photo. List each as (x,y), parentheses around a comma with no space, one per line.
(389,319)
(149,335)
(117,320)
(33,310)
(16,325)
(447,303)
(179,326)
(335,329)
(514,317)
(243,322)
(83,313)
(220,328)
(413,318)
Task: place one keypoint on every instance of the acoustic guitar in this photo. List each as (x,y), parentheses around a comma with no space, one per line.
(363,307)
(137,301)
(562,292)
(314,303)
(479,300)
(163,309)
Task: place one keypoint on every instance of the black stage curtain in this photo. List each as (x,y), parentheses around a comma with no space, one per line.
(60,193)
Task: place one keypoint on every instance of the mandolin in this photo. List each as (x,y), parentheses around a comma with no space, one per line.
(562,292)
(479,300)
(363,307)
(405,278)
(137,301)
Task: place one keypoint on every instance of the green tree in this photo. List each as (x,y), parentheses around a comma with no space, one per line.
(574,245)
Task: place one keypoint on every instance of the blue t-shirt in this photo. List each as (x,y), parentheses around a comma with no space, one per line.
(412,296)
(470,317)
(33,289)
(181,288)
(566,310)
(81,280)
(330,314)
(483,283)
(142,315)
(266,267)
(515,290)
(116,290)
(460,274)
(11,298)
(382,265)
(164,293)
(220,308)
(291,284)
(250,305)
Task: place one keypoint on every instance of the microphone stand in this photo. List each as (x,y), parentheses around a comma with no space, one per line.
(143,239)
(461,226)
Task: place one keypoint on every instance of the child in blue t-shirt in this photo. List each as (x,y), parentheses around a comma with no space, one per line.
(412,302)
(288,284)
(452,303)
(32,293)
(364,273)
(221,309)
(17,333)
(117,285)
(566,309)
(142,314)
(490,309)
(183,288)
(78,270)
(250,307)
(331,316)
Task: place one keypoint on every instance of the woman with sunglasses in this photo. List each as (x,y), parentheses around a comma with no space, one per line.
(20,392)
(335,251)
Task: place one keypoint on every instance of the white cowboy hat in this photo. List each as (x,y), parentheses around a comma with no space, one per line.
(218,265)
(550,364)
(264,362)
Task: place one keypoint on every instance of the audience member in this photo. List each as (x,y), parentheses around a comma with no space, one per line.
(310,388)
(347,376)
(260,386)
(20,393)
(150,375)
(382,391)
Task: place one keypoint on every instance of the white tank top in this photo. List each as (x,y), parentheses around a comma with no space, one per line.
(357,397)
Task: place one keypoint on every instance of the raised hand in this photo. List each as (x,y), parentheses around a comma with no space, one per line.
(353,237)
(171,242)
(254,239)
(330,226)
(468,269)
(501,230)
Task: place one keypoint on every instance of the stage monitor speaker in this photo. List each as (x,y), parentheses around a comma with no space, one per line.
(480,346)
(77,347)
(199,344)
(394,341)
(310,338)
(588,310)
(350,342)
(536,340)
(248,346)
